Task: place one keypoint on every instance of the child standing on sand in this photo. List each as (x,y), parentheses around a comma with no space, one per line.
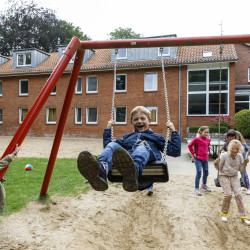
(229,164)
(199,148)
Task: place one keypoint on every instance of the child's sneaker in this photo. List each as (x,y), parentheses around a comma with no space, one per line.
(124,163)
(248,191)
(245,221)
(95,172)
(224,219)
(197,192)
(206,188)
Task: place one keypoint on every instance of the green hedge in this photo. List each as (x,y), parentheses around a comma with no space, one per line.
(242,122)
(212,129)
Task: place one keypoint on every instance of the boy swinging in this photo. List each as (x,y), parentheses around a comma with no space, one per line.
(129,154)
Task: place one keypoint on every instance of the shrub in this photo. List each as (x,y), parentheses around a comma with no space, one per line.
(242,122)
(224,121)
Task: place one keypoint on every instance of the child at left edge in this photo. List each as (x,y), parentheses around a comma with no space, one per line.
(199,148)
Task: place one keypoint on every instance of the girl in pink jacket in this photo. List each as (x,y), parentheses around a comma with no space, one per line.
(199,148)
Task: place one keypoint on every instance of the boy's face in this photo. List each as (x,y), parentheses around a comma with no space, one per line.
(140,122)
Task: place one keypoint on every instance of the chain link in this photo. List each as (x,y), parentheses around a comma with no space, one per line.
(167,107)
(113,97)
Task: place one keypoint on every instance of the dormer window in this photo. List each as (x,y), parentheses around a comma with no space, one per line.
(24,59)
(122,53)
(165,51)
(207,53)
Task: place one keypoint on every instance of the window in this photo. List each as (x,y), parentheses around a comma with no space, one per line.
(53,91)
(248,74)
(121,83)
(23,87)
(203,92)
(242,102)
(91,117)
(153,111)
(120,115)
(91,84)
(24,59)
(207,53)
(78,89)
(1,85)
(78,115)
(150,82)
(22,114)
(51,115)
(165,51)
(122,53)
(1,116)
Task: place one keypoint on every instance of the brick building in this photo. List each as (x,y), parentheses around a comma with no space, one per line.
(192,76)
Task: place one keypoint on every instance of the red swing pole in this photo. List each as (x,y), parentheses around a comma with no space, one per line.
(65,110)
(41,99)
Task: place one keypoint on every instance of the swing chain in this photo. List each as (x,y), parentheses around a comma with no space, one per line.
(113,96)
(167,106)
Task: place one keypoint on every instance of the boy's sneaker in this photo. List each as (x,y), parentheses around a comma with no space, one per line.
(248,191)
(124,163)
(245,221)
(224,218)
(150,192)
(206,188)
(197,192)
(95,172)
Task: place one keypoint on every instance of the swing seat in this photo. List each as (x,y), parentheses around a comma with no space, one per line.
(156,171)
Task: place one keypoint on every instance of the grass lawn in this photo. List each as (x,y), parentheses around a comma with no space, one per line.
(24,186)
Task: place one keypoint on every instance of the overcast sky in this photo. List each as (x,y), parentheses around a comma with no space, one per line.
(185,18)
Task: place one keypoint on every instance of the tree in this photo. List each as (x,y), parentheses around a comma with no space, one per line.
(25,25)
(123,33)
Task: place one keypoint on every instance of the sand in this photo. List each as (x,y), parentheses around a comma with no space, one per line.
(172,218)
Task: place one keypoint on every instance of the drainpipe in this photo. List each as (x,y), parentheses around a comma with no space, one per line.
(180,100)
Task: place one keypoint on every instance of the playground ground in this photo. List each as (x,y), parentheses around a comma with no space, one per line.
(172,218)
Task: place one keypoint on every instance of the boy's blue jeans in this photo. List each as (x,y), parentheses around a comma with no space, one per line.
(141,155)
(201,165)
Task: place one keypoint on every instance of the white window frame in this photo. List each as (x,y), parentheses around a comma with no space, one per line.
(207,92)
(87,115)
(24,59)
(164,52)
(125,122)
(87,85)
(76,113)
(121,91)
(206,54)
(20,114)
(119,56)
(1,92)
(243,101)
(156,85)
(47,116)
(1,116)
(150,108)
(248,74)
(78,92)
(23,94)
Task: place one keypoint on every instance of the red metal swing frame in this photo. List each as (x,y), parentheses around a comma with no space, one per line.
(78,47)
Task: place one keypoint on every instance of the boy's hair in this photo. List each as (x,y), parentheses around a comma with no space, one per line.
(236,143)
(202,128)
(240,137)
(231,132)
(140,109)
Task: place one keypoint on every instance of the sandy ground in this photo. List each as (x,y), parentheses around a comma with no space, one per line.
(172,218)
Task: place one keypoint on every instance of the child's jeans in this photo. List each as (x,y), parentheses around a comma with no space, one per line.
(228,184)
(141,155)
(2,198)
(200,165)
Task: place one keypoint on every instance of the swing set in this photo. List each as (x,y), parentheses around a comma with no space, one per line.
(159,172)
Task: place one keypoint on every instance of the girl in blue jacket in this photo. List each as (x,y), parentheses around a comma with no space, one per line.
(129,154)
